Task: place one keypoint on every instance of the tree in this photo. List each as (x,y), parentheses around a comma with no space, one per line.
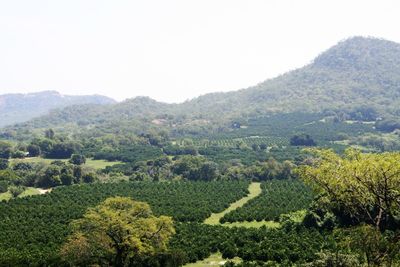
(49,133)
(3,164)
(378,249)
(66,178)
(77,159)
(89,178)
(16,190)
(34,150)
(263,146)
(9,176)
(3,186)
(360,187)
(51,177)
(5,150)
(119,230)
(18,154)
(302,140)
(62,150)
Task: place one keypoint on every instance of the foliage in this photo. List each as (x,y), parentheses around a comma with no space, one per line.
(34,228)
(282,246)
(302,140)
(16,190)
(3,164)
(5,150)
(373,247)
(117,230)
(358,187)
(77,159)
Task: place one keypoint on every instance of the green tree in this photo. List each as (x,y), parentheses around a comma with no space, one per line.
(118,231)
(16,190)
(77,159)
(51,177)
(3,164)
(363,187)
(89,178)
(5,150)
(49,133)
(34,150)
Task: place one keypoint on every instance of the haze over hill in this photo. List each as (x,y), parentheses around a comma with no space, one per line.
(355,73)
(16,108)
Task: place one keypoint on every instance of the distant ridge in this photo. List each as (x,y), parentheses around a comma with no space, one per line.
(356,73)
(15,108)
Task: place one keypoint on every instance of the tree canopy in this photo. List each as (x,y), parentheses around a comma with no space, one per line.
(360,187)
(117,231)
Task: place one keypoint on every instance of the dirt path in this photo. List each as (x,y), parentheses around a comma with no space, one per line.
(254,189)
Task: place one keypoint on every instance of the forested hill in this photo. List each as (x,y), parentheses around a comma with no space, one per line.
(16,108)
(356,72)
(352,75)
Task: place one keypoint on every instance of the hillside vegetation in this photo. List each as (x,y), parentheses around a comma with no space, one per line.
(356,79)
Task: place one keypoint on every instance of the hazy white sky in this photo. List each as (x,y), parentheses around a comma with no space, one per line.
(173,50)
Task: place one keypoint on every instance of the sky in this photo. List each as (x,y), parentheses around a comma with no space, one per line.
(173,50)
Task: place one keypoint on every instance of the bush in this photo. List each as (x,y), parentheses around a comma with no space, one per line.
(3,164)
(77,159)
(3,186)
(16,190)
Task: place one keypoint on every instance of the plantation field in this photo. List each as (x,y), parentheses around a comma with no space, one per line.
(96,164)
(278,197)
(289,247)
(34,228)
(234,142)
(254,191)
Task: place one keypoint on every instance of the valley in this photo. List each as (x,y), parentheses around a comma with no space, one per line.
(298,170)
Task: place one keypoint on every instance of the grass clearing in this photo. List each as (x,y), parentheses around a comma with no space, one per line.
(254,191)
(29,191)
(214,260)
(5,196)
(253,224)
(99,163)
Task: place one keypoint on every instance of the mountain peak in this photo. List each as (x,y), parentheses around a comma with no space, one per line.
(359,53)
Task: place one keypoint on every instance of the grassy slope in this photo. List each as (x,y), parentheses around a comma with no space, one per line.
(254,191)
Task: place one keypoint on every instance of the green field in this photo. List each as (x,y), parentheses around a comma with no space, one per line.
(214,260)
(29,191)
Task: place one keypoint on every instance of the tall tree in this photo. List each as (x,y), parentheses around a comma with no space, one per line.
(118,230)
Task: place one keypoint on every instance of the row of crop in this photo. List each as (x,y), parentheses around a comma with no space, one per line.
(277,197)
(286,246)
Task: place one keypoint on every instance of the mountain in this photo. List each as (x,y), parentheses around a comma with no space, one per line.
(355,75)
(16,108)
(356,72)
